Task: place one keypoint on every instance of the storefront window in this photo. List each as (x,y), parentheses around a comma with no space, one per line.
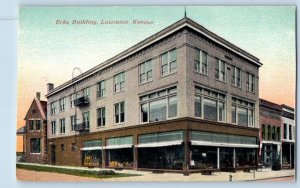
(204,157)
(226,158)
(245,157)
(92,158)
(119,158)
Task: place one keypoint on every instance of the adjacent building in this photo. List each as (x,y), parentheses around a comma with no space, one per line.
(35,138)
(270,134)
(288,137)
(183,99)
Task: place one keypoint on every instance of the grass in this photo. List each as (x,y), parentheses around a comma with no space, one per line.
(76,172)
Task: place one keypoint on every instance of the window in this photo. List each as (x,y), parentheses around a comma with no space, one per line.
(119,112)
(159,105)
(169,62)
(86,120)
(221,70)
(35,145)
(53,107)
(72,99)
(53,127)
(73,147)
(146,72)
(273,133)
(73,122)
(62,103)
(242,112)
(200,63)
(285,131)
(101,89)
(62,124)
(119,82)
(236,77)
(278,134)
(86,92)
(250,82)
(210,104)
(101,116)
(290,132)
(62,147)
(31,125)
(269,132)
(263,132)
(38,125)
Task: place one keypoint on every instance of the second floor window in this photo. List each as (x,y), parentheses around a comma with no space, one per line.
(236,77)
(38,125)
(169,62)
(101,89)
(101,116)
(210,104)
(86,120)
(200,63)
(73,122)
(242,112)
(119,112)
(250,82)
(53,107)
(31,125)
(53,127)
(62,104)
(119,82)
(62,123)
(146,72)
(221,71)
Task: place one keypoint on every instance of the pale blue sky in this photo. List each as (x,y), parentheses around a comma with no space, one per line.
(48,52)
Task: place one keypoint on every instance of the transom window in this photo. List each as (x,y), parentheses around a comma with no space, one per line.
(62,104)
(201,61)
(250,82)
(119,112)
(159,105)
(169,62)
(210,104)
(146,72)
(242,112)
(101,117)
(236,77)
(119,82)
(101,89)
(62,123)
(221,71)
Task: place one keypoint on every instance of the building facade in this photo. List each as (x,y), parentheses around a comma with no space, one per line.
(270,134)
(288,137)
(35,139)
(184,95)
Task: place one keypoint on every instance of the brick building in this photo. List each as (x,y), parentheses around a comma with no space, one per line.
(184,95)
(270,133)
(35,144)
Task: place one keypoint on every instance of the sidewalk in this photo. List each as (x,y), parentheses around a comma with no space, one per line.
(166,177)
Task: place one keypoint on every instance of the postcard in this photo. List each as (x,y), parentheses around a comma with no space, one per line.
(156,93)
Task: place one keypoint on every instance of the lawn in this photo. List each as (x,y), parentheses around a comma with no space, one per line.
(76,172)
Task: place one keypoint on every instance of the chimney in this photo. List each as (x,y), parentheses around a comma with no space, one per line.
(50,87)
(38,95)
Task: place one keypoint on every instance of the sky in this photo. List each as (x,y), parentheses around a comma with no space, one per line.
(48,52)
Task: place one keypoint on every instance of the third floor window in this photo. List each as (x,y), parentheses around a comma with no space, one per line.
(236,77)
(221,71)
(119,80)
(53,107)
(146,72)
(62,104)
(201,61)
(169,62)
(101,89)
(250,82)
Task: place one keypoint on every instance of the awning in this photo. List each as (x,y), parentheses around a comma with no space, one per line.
(159,144)
(118,146)
(203,143)
(92,148)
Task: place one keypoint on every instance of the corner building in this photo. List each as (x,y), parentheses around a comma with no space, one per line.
(183,100)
